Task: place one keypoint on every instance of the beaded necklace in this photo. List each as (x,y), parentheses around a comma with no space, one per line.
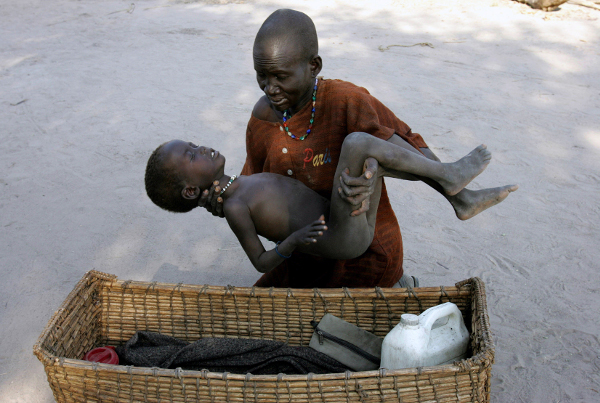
(228,183)
(312,116)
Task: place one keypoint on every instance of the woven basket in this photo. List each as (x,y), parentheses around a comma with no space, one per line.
(102,310)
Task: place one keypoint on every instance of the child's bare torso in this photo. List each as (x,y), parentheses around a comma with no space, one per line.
(278,205)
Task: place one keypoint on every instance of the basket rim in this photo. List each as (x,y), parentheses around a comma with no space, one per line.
(180,373)
(460,288)
(474,363)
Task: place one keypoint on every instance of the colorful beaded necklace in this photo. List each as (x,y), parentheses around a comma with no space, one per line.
(312,116)
(228,183)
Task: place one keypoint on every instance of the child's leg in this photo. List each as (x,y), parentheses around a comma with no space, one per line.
(350,236)
(466,203)
(452,177)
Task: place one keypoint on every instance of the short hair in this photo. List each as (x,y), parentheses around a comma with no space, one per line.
(291,25)
(164,185)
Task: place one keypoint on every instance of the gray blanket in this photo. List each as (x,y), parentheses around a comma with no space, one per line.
(238,356)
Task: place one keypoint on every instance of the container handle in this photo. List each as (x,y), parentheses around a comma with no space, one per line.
(428,318)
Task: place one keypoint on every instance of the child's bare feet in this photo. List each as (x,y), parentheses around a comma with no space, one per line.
(469,203)
(458,174)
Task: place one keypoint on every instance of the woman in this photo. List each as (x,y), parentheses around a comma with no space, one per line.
(297,129)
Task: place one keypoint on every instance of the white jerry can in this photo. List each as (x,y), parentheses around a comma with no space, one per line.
(437,336)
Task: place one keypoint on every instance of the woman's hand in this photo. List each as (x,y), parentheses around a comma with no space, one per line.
(210,200)
(357,191)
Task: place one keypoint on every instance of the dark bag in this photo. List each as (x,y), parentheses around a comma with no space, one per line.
(348,344)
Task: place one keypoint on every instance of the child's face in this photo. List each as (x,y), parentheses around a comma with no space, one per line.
(284,74)
(198,166)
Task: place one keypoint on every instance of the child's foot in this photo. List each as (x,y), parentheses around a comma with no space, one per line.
(469,203)
(458,174)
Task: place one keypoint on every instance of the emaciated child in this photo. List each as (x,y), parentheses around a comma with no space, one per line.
(283,209)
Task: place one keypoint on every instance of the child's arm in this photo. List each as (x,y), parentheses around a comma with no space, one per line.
(239,219)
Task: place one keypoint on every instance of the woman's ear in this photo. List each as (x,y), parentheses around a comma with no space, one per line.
(316,64)
(190,192)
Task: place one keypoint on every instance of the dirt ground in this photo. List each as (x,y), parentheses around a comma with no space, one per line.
(89,88)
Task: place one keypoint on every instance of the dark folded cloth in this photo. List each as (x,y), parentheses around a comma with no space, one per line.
(239,356)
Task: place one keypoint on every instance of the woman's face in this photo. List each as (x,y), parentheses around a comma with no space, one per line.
(284,74)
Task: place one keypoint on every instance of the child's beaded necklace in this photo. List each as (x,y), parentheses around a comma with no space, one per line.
(312,116)
(231,179)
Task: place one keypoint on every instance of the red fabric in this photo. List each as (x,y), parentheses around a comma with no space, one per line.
(342,108)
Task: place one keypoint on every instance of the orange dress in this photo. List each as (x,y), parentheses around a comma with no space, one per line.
(341,108)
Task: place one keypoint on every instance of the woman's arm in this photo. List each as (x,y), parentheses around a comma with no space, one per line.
(357,191)
(211,201)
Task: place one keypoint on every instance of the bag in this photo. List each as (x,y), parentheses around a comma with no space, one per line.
(352,346)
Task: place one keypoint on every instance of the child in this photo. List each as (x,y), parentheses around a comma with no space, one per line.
(282,209)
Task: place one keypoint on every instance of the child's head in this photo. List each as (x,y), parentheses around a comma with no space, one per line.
(177,172)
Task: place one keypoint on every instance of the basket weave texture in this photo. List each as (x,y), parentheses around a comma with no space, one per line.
(102,310)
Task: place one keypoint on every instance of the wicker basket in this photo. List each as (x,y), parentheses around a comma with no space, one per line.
(102,310)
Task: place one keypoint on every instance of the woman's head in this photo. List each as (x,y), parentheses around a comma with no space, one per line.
(286,59)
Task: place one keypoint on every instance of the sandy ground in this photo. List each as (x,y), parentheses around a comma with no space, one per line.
(89,88)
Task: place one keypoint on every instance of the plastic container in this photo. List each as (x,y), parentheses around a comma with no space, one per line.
(437,336)
(106,355)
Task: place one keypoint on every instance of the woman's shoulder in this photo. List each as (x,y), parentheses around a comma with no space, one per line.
(340,93)
(262,110)
(341,86)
